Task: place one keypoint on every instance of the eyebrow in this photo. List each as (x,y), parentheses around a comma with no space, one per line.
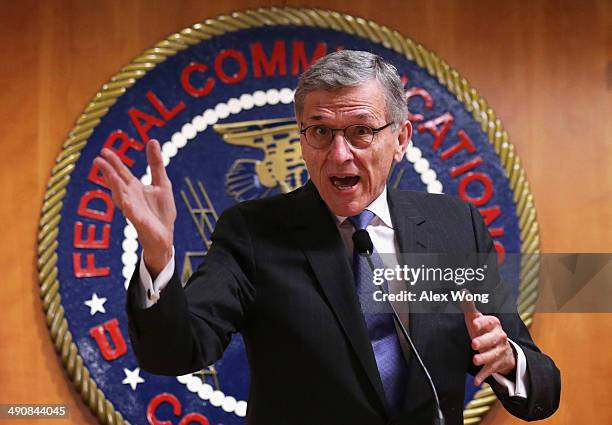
(359,116)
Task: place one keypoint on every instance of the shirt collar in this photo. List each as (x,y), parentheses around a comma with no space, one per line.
(379,206)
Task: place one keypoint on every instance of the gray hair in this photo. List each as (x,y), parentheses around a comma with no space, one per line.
(350,68)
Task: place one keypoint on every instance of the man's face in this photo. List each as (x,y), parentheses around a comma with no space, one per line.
(348,178)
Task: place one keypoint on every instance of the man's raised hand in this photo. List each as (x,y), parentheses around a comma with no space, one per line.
(150,209)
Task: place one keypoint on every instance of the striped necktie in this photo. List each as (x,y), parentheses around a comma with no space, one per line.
(381,328)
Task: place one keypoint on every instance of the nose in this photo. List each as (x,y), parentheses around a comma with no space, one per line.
(339,149)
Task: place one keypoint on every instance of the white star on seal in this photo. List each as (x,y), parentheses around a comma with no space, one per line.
(95,304)
(132,377)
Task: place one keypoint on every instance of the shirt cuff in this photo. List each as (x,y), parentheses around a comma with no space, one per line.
(518,388)
(151,289)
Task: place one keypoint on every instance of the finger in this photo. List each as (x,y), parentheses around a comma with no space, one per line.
(156,162)
(484,373)
(489,356)
(484,324)
(115,184)
(468,307)
(489,340)
(120,168)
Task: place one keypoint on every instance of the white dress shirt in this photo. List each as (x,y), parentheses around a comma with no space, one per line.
(383,237)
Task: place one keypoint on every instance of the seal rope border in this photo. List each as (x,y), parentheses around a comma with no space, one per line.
(262,17)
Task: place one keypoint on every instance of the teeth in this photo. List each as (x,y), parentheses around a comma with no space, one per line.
(345,182)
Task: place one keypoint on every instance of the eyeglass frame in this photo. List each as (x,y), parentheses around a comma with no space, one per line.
(375,131)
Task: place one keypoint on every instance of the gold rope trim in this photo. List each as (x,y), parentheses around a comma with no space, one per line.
(117,86)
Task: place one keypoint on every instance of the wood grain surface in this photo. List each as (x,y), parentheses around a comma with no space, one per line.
(544,66)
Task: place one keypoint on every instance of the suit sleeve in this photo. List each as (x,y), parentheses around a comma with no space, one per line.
(189,328)
(544,379)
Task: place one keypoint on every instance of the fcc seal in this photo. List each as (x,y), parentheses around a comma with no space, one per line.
(219,98)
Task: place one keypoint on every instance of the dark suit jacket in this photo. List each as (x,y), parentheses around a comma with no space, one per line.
(278,272)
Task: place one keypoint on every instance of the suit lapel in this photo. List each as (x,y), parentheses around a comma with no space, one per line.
(412,237)
(317,233)
(407,223)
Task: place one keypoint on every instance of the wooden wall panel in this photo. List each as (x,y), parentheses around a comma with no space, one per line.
(543,66)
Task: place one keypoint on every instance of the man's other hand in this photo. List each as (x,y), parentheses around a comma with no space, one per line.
(495,354)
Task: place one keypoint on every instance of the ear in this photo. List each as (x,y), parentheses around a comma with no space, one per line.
(403,140)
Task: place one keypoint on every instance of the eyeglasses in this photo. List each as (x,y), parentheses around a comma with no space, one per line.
(358,135)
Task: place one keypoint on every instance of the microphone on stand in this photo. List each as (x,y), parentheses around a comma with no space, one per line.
(364,246)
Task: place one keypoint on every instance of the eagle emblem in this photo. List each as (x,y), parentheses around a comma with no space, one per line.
(282,167)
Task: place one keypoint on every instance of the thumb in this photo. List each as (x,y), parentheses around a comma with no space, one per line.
(470,312)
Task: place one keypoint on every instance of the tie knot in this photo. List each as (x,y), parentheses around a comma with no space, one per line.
(361,221)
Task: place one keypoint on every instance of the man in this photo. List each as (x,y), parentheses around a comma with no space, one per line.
(279,271)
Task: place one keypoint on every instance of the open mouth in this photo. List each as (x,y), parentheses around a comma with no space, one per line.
(344,182)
